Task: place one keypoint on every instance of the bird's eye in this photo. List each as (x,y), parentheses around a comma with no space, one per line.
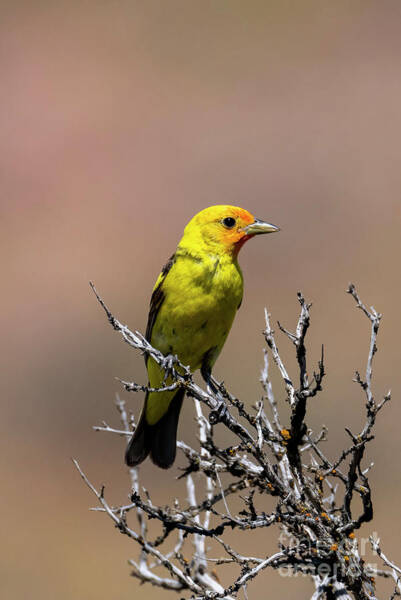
(229,222)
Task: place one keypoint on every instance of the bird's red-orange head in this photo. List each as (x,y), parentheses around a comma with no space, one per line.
(223,229)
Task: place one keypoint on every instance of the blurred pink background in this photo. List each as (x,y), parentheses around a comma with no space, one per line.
(120,120)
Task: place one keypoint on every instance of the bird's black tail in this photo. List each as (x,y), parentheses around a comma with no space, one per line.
(160,439)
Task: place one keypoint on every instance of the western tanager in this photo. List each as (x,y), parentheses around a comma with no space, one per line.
(192,308)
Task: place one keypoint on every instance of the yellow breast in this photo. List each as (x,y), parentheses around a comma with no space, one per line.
(201,298)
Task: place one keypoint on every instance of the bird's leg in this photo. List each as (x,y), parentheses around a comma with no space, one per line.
(168,366)
(217,385)
(213,386)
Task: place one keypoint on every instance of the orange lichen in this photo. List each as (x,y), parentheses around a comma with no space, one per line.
(285,434)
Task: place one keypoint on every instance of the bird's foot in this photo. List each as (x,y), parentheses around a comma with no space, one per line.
(219,412)
(168,366)
(215,387)
(218,386)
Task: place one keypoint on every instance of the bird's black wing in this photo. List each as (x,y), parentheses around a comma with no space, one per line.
(157,298)
(158,439)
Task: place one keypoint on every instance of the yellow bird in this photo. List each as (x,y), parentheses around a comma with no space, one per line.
(192,308)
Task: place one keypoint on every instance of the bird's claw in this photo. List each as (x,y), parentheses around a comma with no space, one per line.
(168,366)
(215,387)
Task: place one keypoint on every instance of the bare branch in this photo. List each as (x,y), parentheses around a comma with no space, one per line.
(312,492)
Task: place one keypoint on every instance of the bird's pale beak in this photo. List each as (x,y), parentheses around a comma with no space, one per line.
(260,227)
